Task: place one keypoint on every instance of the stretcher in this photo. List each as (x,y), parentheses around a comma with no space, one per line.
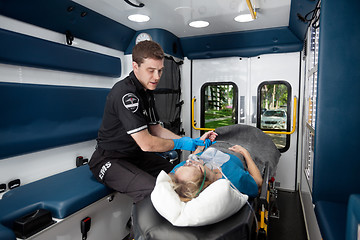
(250,222)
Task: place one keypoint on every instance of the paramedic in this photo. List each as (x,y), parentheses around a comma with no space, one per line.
(130,133)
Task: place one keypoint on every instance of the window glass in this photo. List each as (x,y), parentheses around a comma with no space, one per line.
(219,105)
(273,111)
(310,99)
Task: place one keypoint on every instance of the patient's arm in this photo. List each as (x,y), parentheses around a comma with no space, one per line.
(252,168)
(210,135)
(198,149)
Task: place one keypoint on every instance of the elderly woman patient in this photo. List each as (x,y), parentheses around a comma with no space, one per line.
(205,166)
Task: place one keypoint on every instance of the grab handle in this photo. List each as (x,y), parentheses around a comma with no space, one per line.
(193,120)
(294,122)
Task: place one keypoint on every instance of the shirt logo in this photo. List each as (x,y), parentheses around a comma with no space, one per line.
(131,102)
(103,169)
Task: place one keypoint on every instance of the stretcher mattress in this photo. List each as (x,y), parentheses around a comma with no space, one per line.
(148,224)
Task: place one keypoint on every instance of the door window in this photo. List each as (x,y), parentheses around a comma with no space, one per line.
(274,111)
(219,104)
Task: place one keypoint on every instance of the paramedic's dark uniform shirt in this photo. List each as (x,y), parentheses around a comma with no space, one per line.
(129,109)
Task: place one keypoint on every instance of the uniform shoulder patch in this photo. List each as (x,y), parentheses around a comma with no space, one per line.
(131,102)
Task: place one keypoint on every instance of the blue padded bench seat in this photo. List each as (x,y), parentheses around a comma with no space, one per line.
(339,220)
(62,194)
(331,217)
(353,217)
(37,117)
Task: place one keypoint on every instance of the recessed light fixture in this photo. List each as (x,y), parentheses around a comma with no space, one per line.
(244,18)
(199,24)
(138,18)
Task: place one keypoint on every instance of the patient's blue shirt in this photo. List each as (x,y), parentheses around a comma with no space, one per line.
(238,176)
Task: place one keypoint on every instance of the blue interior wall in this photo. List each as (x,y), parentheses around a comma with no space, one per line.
(56,16)
(168,41)
(36,117)
(337,161)
(301,7)
(20,49)
(242,44)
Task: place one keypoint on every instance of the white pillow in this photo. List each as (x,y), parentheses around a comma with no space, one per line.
(217,202)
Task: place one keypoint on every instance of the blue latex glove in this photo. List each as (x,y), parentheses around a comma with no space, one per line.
(207,143)
(199,142)
(186,143)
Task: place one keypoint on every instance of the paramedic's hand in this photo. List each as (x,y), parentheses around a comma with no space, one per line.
(186,143)
(206,143)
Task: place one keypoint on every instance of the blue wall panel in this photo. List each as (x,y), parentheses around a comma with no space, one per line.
(54,15)
(19,49)
(302,7)
(37,117)
(168,41)
(242,44)
(337,160)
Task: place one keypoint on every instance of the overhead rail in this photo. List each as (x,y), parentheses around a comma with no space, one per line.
(193,122)
(251,9)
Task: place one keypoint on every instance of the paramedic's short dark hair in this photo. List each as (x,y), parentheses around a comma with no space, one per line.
(147,49)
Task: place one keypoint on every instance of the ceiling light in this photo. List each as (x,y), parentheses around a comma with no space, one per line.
(244,18)
(199,24)
(138,18)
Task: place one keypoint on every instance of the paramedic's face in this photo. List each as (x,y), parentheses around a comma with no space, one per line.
(149,72)
(190,171)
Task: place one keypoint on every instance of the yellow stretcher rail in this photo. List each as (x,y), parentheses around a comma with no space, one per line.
(271,132)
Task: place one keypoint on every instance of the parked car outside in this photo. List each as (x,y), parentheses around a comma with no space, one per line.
(274,119)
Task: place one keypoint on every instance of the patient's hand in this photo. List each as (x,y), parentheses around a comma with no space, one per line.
(210,135)
(240,149)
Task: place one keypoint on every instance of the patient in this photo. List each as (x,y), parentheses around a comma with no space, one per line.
(191,177)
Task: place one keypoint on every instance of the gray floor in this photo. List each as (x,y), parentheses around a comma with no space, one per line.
(290,224)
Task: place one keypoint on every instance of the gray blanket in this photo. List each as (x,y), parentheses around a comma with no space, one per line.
(260,146)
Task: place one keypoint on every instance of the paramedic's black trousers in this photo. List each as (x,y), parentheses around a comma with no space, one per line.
(132,174)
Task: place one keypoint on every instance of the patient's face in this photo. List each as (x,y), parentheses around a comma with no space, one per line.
(190,171)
